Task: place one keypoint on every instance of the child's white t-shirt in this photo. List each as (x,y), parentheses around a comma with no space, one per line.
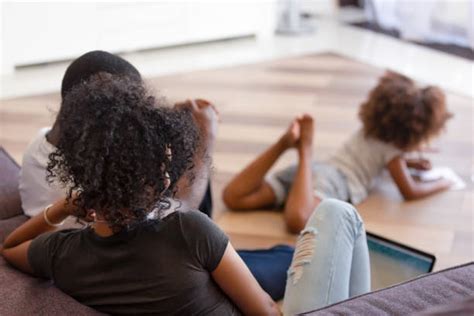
(361,159)
(35,191)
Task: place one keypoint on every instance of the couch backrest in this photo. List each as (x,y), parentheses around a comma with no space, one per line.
(10,202)
(21,294)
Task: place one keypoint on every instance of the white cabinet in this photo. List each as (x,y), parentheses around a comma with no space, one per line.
(39,32)
(44,32)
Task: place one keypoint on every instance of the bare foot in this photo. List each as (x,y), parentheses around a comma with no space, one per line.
(306,124)
(292,134)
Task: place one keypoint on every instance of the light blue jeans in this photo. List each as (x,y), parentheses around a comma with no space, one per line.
(331,259)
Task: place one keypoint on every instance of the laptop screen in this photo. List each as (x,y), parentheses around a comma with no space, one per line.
(392,263)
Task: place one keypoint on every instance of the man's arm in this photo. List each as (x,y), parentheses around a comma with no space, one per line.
(206,116)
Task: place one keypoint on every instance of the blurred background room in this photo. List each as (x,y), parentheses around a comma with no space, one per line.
(262,62)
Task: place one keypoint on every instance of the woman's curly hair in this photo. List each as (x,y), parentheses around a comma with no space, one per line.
(114,149)
(400,113)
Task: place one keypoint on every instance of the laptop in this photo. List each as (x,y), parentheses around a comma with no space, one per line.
(392,263)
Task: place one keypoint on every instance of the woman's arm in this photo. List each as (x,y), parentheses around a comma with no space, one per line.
(16,245)
(248,190)
(409,187)
(236,280)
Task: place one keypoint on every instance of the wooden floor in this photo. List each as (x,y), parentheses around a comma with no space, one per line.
(257,102)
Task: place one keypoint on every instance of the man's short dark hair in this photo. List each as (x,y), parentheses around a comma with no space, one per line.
(94,62)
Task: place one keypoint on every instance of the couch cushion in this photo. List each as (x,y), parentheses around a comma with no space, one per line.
(440,288)
(10,202)
(9,225)
(24,295)
(461,308)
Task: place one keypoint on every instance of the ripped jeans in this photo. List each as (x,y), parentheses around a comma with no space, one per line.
(331,259)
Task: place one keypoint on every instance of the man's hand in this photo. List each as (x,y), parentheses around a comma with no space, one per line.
(205,114)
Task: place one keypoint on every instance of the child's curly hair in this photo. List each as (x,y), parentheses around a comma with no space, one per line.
(400,113)
(114,149)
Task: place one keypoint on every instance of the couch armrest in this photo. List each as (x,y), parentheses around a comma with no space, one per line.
(434,289)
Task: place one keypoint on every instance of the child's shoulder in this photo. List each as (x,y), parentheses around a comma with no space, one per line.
(373,145)
(361,136)
(39,143)
(358,138)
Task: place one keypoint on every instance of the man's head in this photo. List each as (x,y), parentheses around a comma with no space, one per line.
(94,62)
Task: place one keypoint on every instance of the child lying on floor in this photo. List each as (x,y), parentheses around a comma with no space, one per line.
(398,117)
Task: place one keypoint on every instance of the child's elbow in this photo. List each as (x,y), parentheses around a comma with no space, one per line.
(409,195)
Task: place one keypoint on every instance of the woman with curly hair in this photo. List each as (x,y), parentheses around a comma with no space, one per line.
(130,165)
(398,117)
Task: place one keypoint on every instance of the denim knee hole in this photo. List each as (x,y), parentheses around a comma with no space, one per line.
(304,252)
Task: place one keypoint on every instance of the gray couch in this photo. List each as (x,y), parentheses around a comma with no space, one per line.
(21,294)
(430,294)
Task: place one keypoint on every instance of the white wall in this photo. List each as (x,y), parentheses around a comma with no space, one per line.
(43,32)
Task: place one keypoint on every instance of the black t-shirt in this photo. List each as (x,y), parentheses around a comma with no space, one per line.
(162,267)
